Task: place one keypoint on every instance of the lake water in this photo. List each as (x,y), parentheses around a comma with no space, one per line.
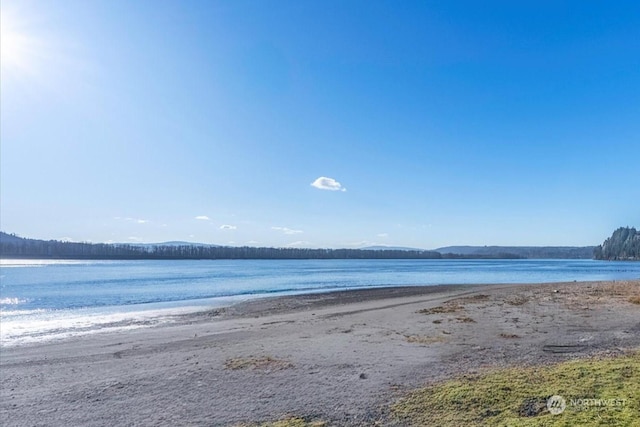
(44,299)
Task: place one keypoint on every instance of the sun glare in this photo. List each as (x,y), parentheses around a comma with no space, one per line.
(14,45)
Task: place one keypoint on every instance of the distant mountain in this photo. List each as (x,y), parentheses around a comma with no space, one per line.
(535,252)
(624,244)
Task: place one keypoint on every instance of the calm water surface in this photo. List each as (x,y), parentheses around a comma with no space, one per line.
(42,300)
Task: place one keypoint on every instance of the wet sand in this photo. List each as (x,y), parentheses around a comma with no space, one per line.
(342,357)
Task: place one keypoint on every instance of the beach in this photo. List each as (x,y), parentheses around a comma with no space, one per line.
(342,357)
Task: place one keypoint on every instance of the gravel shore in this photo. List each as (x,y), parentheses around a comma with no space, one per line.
(342,357)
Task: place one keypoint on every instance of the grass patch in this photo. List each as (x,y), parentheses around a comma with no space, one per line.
(517,300)
(619,288)
(473,298)
(257,363)
(290,421)
(424,339)
(441,309)
(626,289)
(454,305)
(518,396)
(581,297)
(465,319)
(504,335)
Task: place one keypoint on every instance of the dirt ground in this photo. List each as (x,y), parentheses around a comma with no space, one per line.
(342,357)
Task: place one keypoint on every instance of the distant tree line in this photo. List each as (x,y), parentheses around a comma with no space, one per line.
(624,244)
(31,248)
(527,252)
(12,246)
(475,255)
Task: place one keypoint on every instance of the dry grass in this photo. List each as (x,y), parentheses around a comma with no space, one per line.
(454,305)
(266,363)
(621,288)
(509,336)
(517,300)
(586,296)
(465,319)
(424,339)
(634,299)
(289,421)
(441,309)
(472,299)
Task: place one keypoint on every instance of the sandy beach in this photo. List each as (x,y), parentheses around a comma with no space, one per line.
(340,357)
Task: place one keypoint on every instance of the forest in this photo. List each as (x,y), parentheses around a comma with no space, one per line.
(12,246)
(624,244)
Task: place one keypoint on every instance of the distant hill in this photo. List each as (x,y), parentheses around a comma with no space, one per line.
(624,244)
(531,252)
(9,238)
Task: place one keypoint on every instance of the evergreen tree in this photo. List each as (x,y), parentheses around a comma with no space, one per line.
(624,244)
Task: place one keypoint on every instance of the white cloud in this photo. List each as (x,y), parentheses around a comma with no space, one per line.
(252,242)
(298,243)
(129,219)
(286,230)
(383,235)
(227,227)
(135,239)
(324,183)
(203,218)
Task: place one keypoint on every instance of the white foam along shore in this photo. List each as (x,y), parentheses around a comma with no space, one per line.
(21,327)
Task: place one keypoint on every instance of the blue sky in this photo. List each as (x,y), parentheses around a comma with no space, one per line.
(435,122)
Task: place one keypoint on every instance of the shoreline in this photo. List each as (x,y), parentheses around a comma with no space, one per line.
(340,356)
(105,320)
(160,314)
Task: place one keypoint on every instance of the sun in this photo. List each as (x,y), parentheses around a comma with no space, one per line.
(9,46)
(34,55)
(14,45)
